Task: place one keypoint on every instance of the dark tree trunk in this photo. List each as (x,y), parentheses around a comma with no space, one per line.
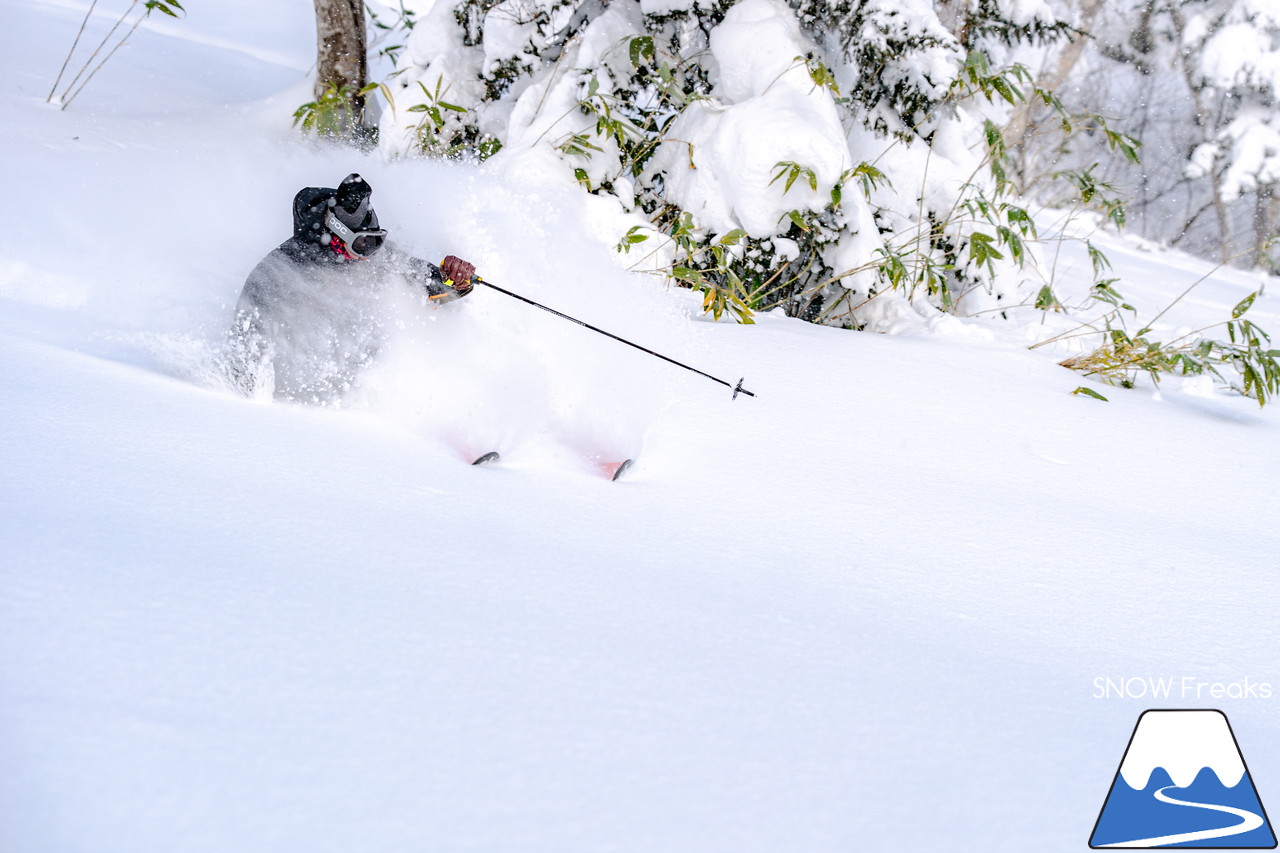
(342,62)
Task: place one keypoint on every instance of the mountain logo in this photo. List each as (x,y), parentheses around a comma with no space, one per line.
(1183,783)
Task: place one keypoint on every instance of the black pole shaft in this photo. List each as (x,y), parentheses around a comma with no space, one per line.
(736,389)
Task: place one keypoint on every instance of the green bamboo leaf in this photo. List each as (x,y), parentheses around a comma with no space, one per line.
(641,48)
(1245,305)
(1089,392)
(1046,299)
(1004,90)
(386,93)
(163,6)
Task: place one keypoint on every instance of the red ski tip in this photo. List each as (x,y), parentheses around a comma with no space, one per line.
(614,470)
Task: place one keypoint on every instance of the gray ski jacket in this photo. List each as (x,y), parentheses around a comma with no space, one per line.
(308,321)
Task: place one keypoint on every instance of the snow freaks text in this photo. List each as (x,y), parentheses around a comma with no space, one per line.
(1184,687)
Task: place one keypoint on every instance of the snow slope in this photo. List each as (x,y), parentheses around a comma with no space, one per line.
(864,610)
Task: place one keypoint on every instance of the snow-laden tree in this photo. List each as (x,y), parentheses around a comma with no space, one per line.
(1195,82)
(839,158)
(1232,56)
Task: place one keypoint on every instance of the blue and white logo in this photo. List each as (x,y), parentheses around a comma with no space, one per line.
(1183,783)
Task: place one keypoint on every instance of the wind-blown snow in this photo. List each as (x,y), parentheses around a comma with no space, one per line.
(863,610)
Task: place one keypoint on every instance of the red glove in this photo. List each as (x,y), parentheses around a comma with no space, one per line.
(457,273)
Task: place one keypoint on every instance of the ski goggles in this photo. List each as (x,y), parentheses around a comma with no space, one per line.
(360,244)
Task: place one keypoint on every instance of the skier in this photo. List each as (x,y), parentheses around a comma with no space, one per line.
(313,312)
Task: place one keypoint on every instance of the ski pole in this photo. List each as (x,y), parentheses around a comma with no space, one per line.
(737,389)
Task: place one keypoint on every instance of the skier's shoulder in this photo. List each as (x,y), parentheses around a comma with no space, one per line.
(290,252)
(274,272)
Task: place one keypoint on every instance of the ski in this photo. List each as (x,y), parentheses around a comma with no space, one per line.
(614,470)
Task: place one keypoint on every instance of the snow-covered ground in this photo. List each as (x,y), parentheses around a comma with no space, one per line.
(862,611)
